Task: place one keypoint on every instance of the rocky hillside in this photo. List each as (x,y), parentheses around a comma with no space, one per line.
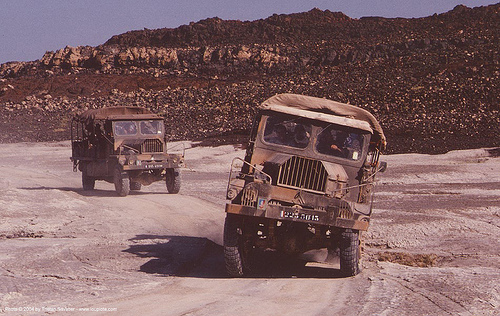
(432,82)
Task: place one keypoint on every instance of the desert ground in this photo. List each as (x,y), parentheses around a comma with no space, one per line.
(432,247)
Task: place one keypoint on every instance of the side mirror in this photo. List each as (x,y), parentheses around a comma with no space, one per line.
(382,166)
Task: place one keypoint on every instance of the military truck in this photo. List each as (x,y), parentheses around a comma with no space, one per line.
(306,182)
(126,146)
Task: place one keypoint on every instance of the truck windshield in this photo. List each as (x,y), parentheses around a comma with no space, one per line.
(123,128)
(282,131)
(151,127)
(339,142)
(134,128)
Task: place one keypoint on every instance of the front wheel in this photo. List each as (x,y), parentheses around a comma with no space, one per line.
(350,253)
(232,246)
(173,180)
(122,182)
(88,182)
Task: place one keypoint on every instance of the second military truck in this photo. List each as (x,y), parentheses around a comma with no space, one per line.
(125,146)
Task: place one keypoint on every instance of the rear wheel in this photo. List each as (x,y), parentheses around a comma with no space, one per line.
(87,181)
(350,253)
(173,180)
(122,182)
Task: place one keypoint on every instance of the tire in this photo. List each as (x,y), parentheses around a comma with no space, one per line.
(136,186)
(88,182)
(122,182)
(173,180)
(349,253)
(232,254)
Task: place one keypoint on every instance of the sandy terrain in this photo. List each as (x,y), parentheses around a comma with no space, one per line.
(432,248)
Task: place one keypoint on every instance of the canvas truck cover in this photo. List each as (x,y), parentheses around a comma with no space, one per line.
(301,102)
(115,112)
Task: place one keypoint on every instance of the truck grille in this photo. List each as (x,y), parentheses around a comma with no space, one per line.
(152,146)
(303,173)
(344,210)
(249,197)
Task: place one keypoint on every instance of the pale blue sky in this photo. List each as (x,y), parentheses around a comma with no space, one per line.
(29,28)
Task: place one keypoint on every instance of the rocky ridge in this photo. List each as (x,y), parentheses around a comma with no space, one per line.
(432,82)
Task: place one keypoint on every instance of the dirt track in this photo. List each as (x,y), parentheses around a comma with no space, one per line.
(151,253)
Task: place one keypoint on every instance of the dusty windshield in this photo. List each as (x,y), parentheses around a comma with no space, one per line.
(151,127)
(287,132)
(339,142)
(133,128)
(125,128)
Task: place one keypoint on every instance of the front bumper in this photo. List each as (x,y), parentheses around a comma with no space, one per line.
(148,165)
(286,213)
(145,162)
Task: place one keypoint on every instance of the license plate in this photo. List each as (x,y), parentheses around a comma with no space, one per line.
(153,166)
(299,215)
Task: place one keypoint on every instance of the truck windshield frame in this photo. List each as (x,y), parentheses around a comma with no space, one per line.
(138,128)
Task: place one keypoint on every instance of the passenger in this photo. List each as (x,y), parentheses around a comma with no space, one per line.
(119,130)
(301,136)
(346,145)
(131,129)
(149,128)
(338,145)
(279,135)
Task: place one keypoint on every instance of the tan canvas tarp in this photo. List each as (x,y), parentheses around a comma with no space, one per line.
(109,112)
(326,106)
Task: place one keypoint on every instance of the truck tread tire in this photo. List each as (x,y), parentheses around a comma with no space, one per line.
(122,182)
(232,255)
(349,253)
(88,183)
(173,180)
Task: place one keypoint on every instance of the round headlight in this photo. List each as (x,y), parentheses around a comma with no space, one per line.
(231,194)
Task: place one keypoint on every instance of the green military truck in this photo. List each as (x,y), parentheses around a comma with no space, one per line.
(125,146)
(306,182)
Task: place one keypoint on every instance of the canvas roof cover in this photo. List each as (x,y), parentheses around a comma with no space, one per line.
(115,112)
(302,102)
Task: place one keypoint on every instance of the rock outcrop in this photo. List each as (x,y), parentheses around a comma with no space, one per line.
(433,82)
